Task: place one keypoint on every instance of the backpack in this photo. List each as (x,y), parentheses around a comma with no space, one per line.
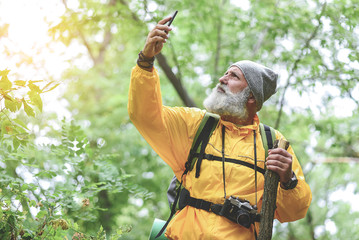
(208,124)
(197,154)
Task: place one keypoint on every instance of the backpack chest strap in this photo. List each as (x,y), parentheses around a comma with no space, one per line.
(211,157)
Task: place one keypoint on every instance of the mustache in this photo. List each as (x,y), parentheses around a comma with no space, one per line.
(222,86)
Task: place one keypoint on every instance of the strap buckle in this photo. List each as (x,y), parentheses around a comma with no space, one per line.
(201,204)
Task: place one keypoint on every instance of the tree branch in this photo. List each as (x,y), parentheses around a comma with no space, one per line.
(219,42)
(338,160)
(258,44)
(352,98)
(263,34)
(106,40)
(295,65)
(134,16)
(161,59)
(87,45)
(218,49)
(179,74)
(309,220)
(105,43)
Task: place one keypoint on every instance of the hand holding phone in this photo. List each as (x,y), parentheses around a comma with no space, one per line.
(157,37)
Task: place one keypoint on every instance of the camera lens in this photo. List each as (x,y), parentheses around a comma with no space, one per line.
(244,220)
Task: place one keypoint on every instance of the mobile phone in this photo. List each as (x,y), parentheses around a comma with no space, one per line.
(172,18)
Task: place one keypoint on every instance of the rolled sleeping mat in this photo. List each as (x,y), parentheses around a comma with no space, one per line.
(156,228)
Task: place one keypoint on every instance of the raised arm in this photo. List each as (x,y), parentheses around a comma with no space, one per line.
(167,129)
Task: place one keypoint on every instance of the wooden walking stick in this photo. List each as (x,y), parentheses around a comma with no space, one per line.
(271,180)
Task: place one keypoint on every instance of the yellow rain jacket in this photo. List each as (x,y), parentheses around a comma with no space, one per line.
(170,132)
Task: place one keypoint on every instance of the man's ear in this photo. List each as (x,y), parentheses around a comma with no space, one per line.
(251,98)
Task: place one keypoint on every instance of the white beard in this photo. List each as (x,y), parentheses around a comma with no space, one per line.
(228,103)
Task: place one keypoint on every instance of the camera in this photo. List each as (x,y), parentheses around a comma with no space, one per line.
(239,211)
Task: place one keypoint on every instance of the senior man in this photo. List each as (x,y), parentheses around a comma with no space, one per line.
(170,131)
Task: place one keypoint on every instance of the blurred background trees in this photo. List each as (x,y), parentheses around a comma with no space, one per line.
(82,170)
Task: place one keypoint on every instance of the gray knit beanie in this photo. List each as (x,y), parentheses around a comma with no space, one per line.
(261,80)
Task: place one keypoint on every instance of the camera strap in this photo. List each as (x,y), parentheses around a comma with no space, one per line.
(255,178)
(223,160)
(217,207)
(255,166)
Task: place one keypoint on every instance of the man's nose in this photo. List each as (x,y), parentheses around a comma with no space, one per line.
(223,80)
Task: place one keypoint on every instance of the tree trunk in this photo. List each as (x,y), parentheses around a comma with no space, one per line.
(175,81)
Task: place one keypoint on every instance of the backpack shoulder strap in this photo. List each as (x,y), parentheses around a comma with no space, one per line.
(206,127)
(268,137)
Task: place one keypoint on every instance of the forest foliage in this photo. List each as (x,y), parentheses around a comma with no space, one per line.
(97,178)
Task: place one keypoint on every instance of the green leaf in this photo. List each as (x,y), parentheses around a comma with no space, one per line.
(20,123)
(46,174)
(35,99)
(32,203)
(5,83)
(28,110)
(24,187)
(16,143)
(18,103)
(34,87)
(41,214)
(10,104)
(4,73)
(101,234)
(50,86)
(6,127)
(20,83)
(13,104)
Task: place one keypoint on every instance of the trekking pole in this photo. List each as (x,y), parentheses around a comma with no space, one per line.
(271,180)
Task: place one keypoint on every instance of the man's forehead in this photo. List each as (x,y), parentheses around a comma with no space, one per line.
(235,70)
